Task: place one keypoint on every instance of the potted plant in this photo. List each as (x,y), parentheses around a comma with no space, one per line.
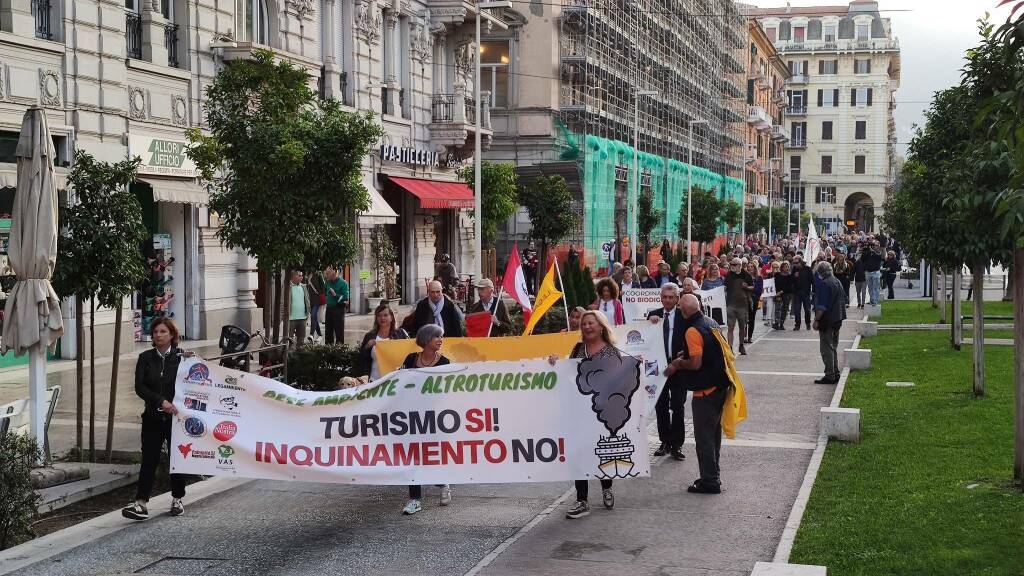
(384,268)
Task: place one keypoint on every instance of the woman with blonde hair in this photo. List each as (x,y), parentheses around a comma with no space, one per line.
(597,340)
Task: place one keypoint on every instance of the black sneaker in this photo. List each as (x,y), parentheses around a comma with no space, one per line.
(579,509)
(698,488)
(743,351)
(135,511)
(662,450)
(177,508)
(677,453)
(823,380)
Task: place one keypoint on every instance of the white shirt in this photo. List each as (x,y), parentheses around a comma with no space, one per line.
(670,318)
(374,368)
(607,308)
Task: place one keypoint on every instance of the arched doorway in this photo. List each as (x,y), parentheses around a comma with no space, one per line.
(861,208)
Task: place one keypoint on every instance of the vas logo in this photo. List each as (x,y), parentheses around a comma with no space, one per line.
(224,454)
(166,153)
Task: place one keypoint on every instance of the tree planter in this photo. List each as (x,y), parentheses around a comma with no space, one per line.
(374,301)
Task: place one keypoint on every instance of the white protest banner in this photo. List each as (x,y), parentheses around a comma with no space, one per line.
(484,422)
(646,342)
(769,288)
(637,303)
(712,304)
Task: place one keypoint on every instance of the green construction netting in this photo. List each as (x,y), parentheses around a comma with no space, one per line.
(669,181)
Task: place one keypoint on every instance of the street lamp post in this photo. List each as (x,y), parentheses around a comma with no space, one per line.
(771,193)
(689,191)
(636,168)
(478,120)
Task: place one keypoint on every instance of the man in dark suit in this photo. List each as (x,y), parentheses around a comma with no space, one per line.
(438,309)
(670,406)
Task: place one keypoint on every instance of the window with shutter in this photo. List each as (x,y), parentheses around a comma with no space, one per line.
(853,97)
(859,163)
(870,91)
(821,98)
(835,98)
(826,164)
(862,130)
(826,130)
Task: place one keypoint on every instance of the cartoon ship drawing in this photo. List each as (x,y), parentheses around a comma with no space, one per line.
(616,454)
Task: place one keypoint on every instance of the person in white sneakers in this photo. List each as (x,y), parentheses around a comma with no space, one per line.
(597,341)
(429,339)
(155,374)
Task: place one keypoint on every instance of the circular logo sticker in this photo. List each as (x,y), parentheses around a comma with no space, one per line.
(225,431)
(194,426)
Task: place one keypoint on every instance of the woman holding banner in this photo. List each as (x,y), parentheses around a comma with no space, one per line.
(597,340)
(155,375)
(384,328)
(429,339)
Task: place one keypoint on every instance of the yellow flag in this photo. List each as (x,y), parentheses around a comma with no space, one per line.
(547,295)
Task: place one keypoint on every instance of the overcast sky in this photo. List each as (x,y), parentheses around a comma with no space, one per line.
(933,34)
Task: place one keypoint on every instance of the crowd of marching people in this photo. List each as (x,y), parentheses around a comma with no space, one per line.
(816,294)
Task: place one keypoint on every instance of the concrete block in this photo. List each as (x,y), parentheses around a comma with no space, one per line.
(873,311)
(773,569)
(841,423)
(867,328)
(857,359)
(900,384)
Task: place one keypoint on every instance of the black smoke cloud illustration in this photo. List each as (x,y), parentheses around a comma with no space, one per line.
(611,382)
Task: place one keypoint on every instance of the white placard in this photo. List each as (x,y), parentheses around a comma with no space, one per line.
(484,422)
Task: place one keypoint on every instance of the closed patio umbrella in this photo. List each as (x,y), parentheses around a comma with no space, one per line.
(32,319)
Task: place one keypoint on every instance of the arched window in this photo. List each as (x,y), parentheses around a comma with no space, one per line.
(252,21)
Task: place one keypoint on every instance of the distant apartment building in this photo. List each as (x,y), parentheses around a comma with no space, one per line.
(767,132)
(845,69)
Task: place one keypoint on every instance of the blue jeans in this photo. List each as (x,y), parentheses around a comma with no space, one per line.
(874,286)
(315,321)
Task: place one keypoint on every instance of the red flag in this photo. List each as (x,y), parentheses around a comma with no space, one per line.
(478,324)
(514,282)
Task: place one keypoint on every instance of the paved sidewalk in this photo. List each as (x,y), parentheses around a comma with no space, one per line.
(656,528)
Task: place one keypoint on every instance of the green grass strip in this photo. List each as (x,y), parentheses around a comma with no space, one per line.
(928,491)
(921,311)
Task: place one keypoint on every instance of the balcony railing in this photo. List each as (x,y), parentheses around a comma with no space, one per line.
(819,46)
(171,43)
(470,104)
(798,79)
(133,35)
(41,11)
(780,133)
(796,110)
(442,109)
(757,117)
(798,143)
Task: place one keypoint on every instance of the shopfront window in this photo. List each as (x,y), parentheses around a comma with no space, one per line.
(494,63)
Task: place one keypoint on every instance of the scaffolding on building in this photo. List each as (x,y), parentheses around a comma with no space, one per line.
(690,54)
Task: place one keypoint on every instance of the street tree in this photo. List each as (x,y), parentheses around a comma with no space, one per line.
(950,180)
(647,218)
(706,212)
(731,215)
(283,168)
(549,204)
(98,260)
(1003,115)
(499,196)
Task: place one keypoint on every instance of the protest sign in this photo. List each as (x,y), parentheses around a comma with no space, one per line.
(646,342)
(391,353)
(638,303)
(478,423)
(769,288)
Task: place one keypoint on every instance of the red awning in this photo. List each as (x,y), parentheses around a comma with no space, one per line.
(437,194)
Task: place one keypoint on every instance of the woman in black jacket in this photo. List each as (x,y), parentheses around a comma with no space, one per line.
(890,270)
(155,375)
(784,284)
(384,328)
